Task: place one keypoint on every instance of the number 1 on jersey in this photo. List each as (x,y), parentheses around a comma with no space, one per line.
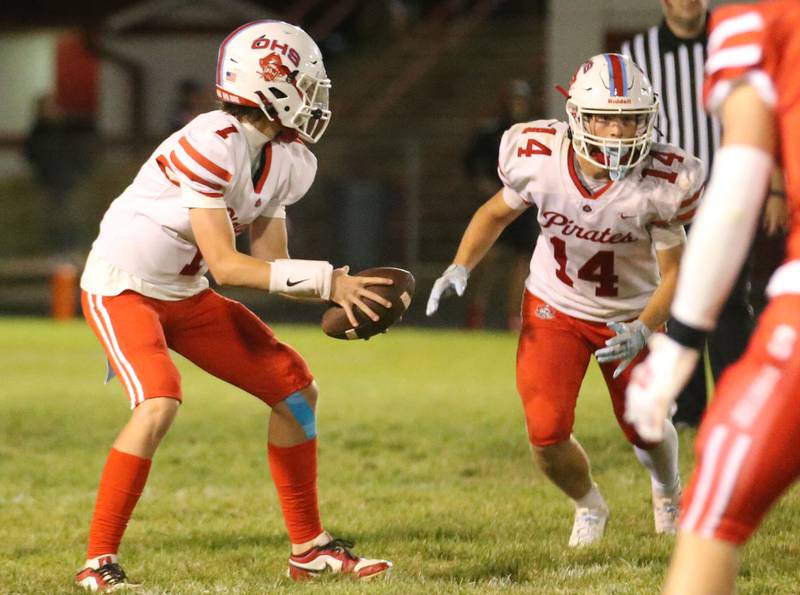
(598,269)
(193,267)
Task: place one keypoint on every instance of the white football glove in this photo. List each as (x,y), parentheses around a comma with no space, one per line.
(453,280)
(630,340)
(655,384)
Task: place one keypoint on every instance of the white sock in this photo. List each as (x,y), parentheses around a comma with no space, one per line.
(662,462)
(592,499)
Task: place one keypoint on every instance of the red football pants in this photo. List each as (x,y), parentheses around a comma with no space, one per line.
(553,354)
(219,335)
(748,447)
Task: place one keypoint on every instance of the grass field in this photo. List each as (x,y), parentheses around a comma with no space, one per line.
(423,459)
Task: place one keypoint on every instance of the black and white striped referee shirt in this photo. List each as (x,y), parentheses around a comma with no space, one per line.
(675,69)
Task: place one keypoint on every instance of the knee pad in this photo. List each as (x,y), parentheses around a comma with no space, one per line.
(303,413)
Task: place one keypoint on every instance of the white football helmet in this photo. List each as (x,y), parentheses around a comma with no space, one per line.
(611,84)
(278,68)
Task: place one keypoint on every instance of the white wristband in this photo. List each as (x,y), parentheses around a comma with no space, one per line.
(306,278)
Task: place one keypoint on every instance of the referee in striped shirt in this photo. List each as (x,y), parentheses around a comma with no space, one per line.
(672,55)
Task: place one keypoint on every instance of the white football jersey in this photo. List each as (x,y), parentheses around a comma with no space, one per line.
(595,256)
(215,161)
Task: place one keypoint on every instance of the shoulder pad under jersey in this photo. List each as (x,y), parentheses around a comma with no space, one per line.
(673,181)
(202,158)
(526,152)
(298,169)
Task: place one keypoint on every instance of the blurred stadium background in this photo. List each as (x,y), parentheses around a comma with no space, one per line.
(91,88)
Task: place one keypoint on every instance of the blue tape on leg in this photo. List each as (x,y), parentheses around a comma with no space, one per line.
(303,413)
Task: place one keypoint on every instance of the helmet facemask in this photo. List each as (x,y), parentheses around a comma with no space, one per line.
(313,117)
(300,104)
(617,155)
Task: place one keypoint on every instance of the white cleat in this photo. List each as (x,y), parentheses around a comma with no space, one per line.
(665,512)
(589,526)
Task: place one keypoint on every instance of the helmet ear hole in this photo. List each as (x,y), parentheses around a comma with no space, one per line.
(277,93)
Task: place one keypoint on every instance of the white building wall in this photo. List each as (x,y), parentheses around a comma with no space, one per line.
(27,69)
(164,64)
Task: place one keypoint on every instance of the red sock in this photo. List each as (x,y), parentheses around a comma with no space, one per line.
(121,485)
(294,471)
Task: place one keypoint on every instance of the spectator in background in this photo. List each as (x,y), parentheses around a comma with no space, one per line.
(60,148)
(672,55)
(193,99)
(509,258)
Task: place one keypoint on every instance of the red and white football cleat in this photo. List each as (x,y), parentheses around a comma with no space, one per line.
(103,574)
(335,557)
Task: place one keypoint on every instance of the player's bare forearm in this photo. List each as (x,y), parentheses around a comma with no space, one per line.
(214,235)
(656,312)
(269,239)
(486,225)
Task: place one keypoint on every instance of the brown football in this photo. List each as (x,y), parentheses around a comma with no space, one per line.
(335,323)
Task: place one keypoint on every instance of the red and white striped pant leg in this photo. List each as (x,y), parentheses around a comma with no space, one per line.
(130,330)
(748,449)
(552,357)
(227,340)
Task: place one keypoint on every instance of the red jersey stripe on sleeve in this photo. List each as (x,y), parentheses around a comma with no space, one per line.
(686,216)
(731,22)
(209,194)
(190,174)
(215,169)
(692,199)
(737,56)
(166,169)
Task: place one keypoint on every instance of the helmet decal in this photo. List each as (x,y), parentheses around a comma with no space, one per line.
(272,68)
(221,54)
(617,76)
(263,43)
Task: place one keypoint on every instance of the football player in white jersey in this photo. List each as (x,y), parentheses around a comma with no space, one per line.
(144,289)
(612,206)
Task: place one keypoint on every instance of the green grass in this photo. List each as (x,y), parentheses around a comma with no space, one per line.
(423,459)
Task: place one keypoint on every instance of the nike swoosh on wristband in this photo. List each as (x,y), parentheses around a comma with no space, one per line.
(624,216)
(290,283)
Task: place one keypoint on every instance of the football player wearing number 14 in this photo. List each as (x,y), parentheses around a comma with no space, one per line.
(611,211)
(144,290)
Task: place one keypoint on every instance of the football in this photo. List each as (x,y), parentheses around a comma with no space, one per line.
(335,323)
